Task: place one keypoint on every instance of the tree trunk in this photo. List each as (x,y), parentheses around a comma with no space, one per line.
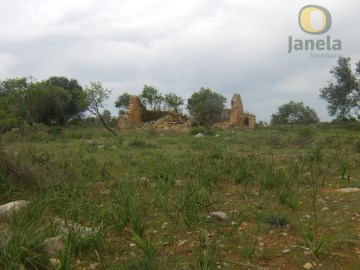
(106,126)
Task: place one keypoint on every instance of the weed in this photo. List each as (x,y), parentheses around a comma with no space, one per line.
(316,246)
(145,244)
(276,220)
(205,261)
(248,250)
(190,203)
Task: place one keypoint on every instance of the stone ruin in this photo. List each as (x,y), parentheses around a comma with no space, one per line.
(238,117)
(137,114)
(162,120)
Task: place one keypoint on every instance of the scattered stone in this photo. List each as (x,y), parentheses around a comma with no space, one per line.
(54,245)
(65,226)
(321,201)
(178,183)
(90,142)
(308,266)
(220,215)
(348,190)
(104,191)
(132,245)
(93,266)
(286,251)
(12,207)
(182,242)
(144,179)
(324,209)
(54,262)
(199,135)
(307,216)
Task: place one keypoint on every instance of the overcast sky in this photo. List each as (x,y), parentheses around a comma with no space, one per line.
(229,46)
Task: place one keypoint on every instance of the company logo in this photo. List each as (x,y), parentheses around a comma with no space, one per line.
(315,20)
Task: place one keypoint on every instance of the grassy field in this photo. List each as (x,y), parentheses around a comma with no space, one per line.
(144,198)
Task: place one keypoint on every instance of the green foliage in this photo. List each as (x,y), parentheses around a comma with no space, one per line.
(205,261)
(206,105)
(343,94)
(151,98)
(294,113)
(8,122)
(316,246)
(106,115)
(173,101)
(276,220)
(96,95)
(55,100)
(249,249)
(56,131)
(76,102)
(122,102)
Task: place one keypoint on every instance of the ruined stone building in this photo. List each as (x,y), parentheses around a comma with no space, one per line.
(137,113)
(236,117)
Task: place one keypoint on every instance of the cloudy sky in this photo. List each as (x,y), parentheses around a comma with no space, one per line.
(229,46)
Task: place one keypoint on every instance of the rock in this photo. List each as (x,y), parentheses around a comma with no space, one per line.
(104,191)
(54,262)
(308,266)
(7,209)
(178,183)
(182,242)
(321,201)
(144,179)
(66,225)
(93,266)
(199,135)
(324,209)
(220,215)
(54,245)
(348,190)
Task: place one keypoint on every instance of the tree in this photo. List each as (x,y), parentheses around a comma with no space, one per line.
(96,95)
(294,113)
(343,95)
(17,99)
(106,116)
(47,103)
(55,100)
(75,105)
(123,102)
(206,105)
(151,98)
(173,101)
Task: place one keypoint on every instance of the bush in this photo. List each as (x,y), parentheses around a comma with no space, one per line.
(56,131)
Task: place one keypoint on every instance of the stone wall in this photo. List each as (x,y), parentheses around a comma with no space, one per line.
(236,117)
(134,114)
(137,113)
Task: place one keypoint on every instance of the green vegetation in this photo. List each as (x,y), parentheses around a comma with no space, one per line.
(294,113)
(343,95)
(205,106)
(143,199)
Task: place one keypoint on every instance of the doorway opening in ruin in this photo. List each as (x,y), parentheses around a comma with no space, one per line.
(246,121)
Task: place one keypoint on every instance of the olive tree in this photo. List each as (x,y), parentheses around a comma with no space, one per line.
(96,95)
